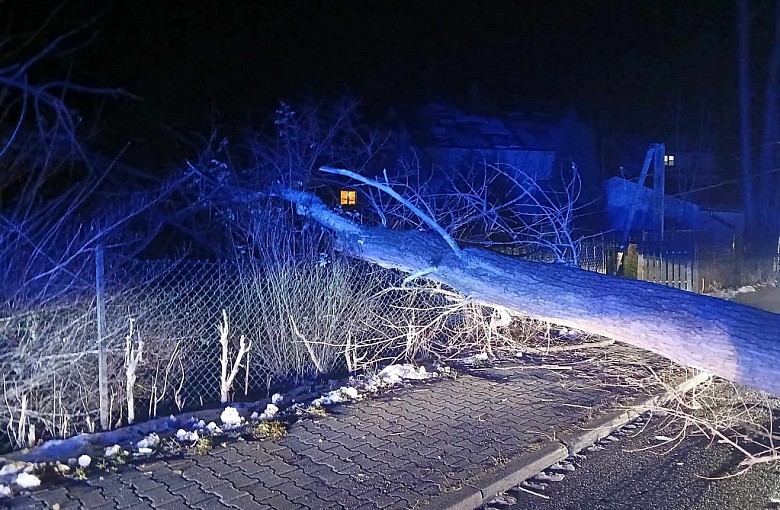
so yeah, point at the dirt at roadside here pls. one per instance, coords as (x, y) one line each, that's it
(765, 298)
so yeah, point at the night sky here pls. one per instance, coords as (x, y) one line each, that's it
(623, 65)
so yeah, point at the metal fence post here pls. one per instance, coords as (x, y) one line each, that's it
(101, 316)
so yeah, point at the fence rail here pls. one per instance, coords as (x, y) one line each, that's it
(673, 268)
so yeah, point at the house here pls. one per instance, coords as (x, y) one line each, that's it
(680, 215)
(688, 174)
(449, 138)
(623, 196)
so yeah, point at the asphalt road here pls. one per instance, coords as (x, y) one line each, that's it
(626, 475)
(623, 476)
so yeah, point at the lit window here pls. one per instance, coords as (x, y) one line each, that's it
(668, 159)
(348, 197)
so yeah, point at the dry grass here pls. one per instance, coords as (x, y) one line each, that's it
(269, 430)
(202, 446)
(316, 412)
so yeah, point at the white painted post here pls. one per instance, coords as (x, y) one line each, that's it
(101, 348)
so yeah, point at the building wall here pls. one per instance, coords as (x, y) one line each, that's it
(622, 194)
(536, 164)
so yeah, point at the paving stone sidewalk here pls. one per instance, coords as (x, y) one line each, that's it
(422, 446)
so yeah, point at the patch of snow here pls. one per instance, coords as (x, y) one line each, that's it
(330, 398)
(270, 412)
(549, 477)
(85, 461)
(254, 416)
(745, 289)
(389, 376)
(503, 499)
(723, 294)
(12, 468)
(470, 360)
(112, 451)
(200, 425)
(27, 481)
(230, 418)
(213, 428)
(663, 438)
(562, 466)
(350, 392)
(5, 491)
(277, 398)
(145, 451)
(183, 435)
(536, 486)
(61, 448)
(150, 441)
(396, 374)
(93, 444)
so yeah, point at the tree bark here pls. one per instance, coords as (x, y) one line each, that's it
(769, 139)
(745, 91)
(730, 340)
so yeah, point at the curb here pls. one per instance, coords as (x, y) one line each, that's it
(482, 488)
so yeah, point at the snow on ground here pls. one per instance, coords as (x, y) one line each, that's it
(184, 436)
(337, 396)
(150, 441)
(270, 412)
(230, 418)
(357, 388)
(19, 468)
(474, 359)
(27, 480)
(745, 289)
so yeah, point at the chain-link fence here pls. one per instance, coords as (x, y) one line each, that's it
(597, 254)
(303, 321)
(297, 317)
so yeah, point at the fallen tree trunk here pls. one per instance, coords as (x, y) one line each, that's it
(727, 339)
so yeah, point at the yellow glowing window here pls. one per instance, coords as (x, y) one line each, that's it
(348, 197)
(668, 159)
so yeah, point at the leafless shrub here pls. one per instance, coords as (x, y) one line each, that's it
(311, 312)
(429, 321)
(734, 416)
(480, 204)
(229, 372)
(56, 207)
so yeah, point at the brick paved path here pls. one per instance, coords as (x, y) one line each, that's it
(401, 450)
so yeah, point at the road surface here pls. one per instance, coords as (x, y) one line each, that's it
(623, 476)
(626, 475)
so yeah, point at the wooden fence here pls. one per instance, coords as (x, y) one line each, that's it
(680, 263)
(673, 268)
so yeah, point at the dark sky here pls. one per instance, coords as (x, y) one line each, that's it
(623, 62)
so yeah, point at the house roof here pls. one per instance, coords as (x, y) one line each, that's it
(444, 126)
